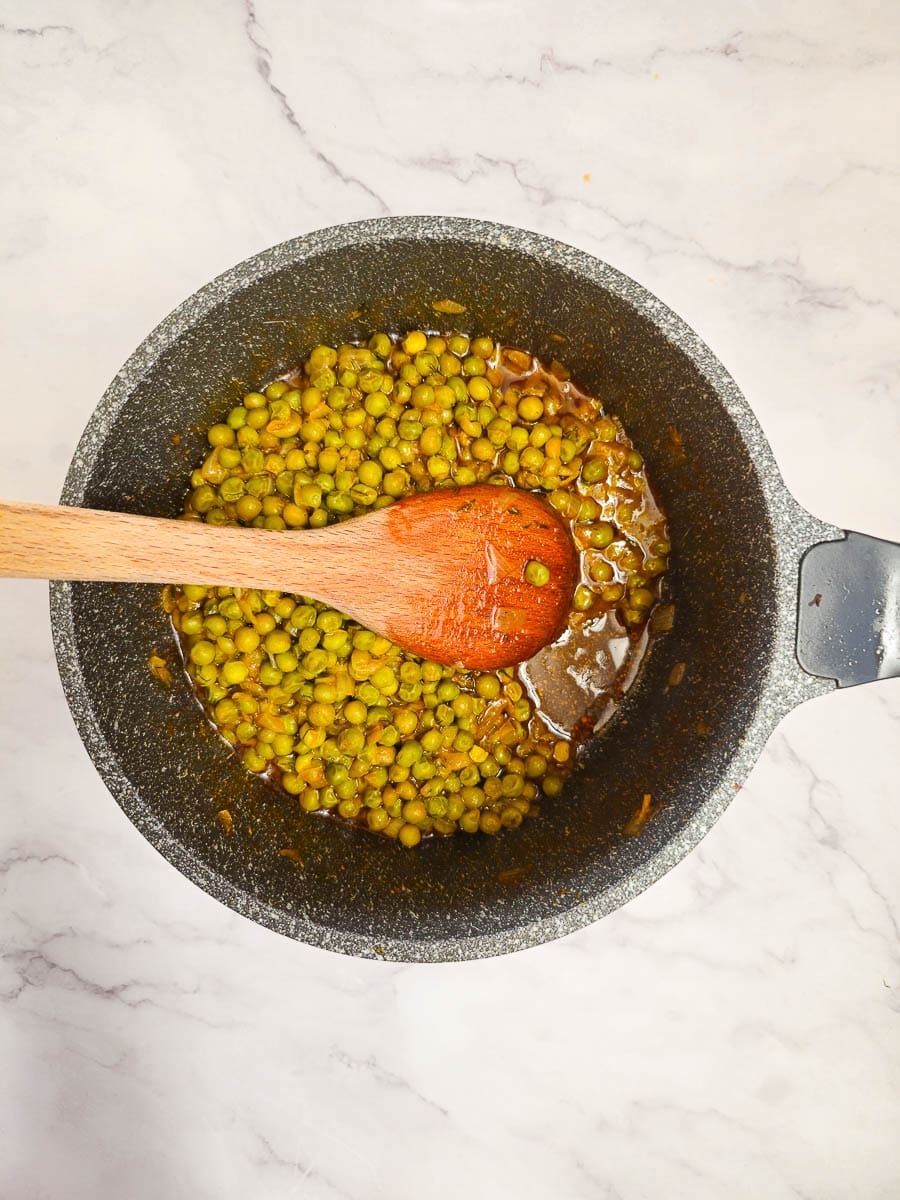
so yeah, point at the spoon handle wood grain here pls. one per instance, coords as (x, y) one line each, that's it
(41, 541)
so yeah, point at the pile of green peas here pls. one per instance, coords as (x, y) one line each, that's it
(338, 716)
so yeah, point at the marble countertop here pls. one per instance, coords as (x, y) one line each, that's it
(736, 1030)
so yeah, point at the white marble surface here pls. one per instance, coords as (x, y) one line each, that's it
(735, 1031)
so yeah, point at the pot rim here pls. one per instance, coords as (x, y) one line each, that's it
(794, 529)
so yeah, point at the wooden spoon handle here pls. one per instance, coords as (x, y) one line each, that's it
(39, 541)
(443, 573)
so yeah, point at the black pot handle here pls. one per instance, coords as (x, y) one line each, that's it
(848, 623)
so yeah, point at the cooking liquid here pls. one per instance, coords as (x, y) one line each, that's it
(578, 682)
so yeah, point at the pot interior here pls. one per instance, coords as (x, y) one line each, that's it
(670, 741)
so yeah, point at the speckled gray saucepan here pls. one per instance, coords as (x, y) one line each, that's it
(739, 539)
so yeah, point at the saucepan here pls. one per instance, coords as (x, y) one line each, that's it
(772, 606)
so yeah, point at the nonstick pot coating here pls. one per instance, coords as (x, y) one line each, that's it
(459, 897)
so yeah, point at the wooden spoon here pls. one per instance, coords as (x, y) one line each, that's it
(441, 574)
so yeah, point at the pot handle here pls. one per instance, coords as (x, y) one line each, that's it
(848, 622)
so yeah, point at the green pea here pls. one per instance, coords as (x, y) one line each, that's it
(479, 388)
(329, 620)
(430, 441)
(380, 344)
(234, 672)
(226, 712)
(601, 571)
(600, 536)
(530, 408)
(376, 404)
(216, 624)
(408, 835)
(308, 495)
(487, 686)
(409, 753)
(370, 473)
(384, 679)
(320, 714)
(431, 741)
(641, 597)
(489, 823)
(498, 430)
(390, 458)
(203, 498)
(302, 616)
(315, 662)
(535, 766)
(191, 623)
(395, 483)
(583, 598)
(464, 476)
(277, 641)
(405, 721)
(292, 683)
(605, 430)
(426, 363)
(231, 489)
(258, 418)
(362, 495)
(254, 761)
(202, 653)
(220, 435)
(339, 502)
(253, 460)
(321, 356)
(531, 459)
(260, 486)
(338, 641)
(594, 470)
(351, 740)
(409, 430)
(422, 395)
(537, 573)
